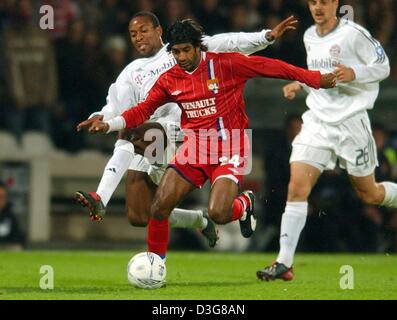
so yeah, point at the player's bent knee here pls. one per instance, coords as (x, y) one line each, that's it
(369, 198)
(159, 212)
(218, 215)
(137, 220)
(298, 191)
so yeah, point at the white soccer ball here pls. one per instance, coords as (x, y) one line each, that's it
(146, 270)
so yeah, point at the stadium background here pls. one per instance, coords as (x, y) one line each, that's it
(45, 161)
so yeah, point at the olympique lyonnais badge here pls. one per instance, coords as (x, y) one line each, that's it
(213, 85)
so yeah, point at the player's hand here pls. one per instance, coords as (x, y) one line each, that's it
(87, 123)
(96, 217)
(278, 31)
(290, 90)
(328, 80)
(344, 74)
(98, 127)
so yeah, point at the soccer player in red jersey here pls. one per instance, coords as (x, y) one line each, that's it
(208, 87)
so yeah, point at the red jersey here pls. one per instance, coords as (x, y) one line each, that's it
(211, 97)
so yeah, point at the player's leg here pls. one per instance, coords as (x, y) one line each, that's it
(312, 153)
(172, 189)
(140, 190)
(179, 218)
(116, 167)
(139, 185)
(359, 156)
(373, 193)
(114, 171)
(226, 205)
(302, 180)
(129, 142)
(221, 198)
(142, 140)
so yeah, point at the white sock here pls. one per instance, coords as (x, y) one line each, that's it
(116, 167)
(181, 218)
(292, 223)
(390, 200)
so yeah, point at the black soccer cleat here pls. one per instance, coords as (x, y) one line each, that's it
(210, 231)
(93, 202)
(276, 271)
(248, 225)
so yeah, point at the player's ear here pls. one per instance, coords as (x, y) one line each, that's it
(159, 31)
(336, 4)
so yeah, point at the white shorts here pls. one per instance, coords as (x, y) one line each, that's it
(349, 143)
(155, 172)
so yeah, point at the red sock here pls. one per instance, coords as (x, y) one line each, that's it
(238, 207)
(158, 235)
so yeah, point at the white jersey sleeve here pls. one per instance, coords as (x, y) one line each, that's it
(243, 42)
(351, 45)
(121, 95)
(374, 65)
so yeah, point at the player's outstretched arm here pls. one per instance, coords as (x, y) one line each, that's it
(120, 97)
(255, 66)
(287, 24)
(248, 42)
(98, 127)
(138, 114)
(86, 124)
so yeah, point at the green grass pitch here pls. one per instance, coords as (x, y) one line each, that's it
(190, 276)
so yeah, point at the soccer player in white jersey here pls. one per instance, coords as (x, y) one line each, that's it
(132, 87)
(336, 127)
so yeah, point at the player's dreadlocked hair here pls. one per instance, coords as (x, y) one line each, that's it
(185, 31)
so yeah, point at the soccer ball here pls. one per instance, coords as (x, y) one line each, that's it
(146, 270)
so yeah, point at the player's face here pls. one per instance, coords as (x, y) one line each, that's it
(323, 11)
(145, 38)
(186, 55)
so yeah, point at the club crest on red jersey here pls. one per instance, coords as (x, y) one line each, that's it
(213, 85)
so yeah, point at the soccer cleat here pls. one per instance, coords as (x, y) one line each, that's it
(248, 225)
(276, 271)
(93, 202)
(210, 231)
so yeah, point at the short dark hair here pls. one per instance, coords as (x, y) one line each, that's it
(185, 31)
(153, 18)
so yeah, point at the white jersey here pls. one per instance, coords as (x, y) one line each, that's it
(353, 46)
(135, 81)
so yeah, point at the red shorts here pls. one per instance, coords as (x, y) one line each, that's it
(221, 162)
(198, 175)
